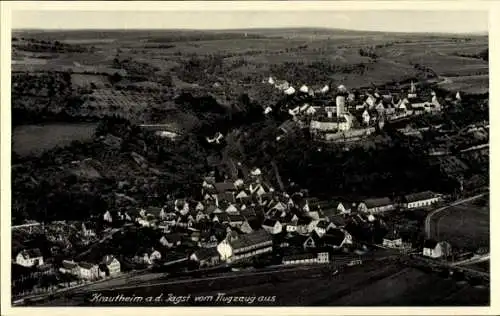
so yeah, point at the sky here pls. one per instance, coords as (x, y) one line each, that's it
(386, 20)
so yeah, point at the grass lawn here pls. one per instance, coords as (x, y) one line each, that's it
(465, 226)
(34, 139)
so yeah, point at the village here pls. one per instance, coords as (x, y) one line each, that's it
(241, 223)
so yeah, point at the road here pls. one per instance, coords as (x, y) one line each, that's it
(473, 260)
(428, 219)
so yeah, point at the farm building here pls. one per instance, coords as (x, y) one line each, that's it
(246, 246)
(29, 258)
(392, 240)
(435, 249)
(377, 205)
(421, 199)
(206, 256)
(306, 258)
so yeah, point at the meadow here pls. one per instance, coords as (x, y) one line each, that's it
(465, 226)
(35, 139)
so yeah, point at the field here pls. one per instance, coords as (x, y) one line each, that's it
(34, 139)
(85, 81)
(465, 226)
(468, 84)
(397, 53)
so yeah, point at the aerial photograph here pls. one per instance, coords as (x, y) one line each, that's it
(263, 158)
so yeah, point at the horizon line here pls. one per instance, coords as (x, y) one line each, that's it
(485, 32)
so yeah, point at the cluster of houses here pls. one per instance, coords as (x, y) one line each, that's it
(235, 221)
(351, 112)
(108, 267)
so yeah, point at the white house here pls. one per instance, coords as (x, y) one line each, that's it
(322, 227)
(377, 205)
(231, 209)
(272, 226)
(246, 246)
(29, 258)
(392, 241)
(112, 264)
(88, 271)
(107, 217)
(337, 238)
(421, 199)
(434, 249)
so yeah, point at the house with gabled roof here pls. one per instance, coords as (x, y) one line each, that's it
(206, 257)
(220, 218)
(29, 258)
(171, 240)
(435, 249)
(232, 209)
(112, 265)
(322, 227)
(236, 220)
(249, 213)
(69, 267)
(88, 271)
(376, 205)
(246, 246)
(392, 240)
(337, 238)
(313, 241)
(243, 194)
(420, 199)
(272, 226)
(226, 197)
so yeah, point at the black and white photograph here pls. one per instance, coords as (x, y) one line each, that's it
(248, 158)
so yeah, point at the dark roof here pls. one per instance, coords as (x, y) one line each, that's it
(248, 212)
(210, 209)
(221, 187)
(315, 237)
(236, 218)
(304, 220)
(338, 220)
(206, 253)
(153, 210)
(108, 259)
(323, 224)
(173, 237)
(226, 196)
(370, 203)
(297, 239)
(269, 222)
(69, 264)
(174, 256)
(420, 196)
(32, 253)
(86, 265)
(287, 218)
(223, 217)
(253, 238)
(302, 256)
(430, 243)
(334, 237)
(267, 196)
